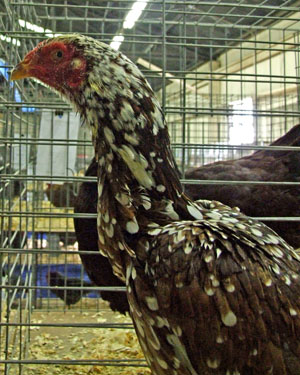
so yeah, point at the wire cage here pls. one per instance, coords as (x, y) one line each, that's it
(227, 78)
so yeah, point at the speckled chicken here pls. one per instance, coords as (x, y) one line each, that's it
(268, 165)
(210, 290)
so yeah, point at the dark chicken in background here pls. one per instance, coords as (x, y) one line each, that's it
(69, 296)
(210, 290)
(254, 200)
(266, 200)
(262, 165)
(61, 195)
(96, 266)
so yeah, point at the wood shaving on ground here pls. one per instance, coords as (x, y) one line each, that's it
(82, 343)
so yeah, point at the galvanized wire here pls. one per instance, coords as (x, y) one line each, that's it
(200, 57)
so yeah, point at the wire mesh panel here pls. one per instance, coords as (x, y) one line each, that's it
(227, 78)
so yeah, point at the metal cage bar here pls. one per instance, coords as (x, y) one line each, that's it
(205, 61)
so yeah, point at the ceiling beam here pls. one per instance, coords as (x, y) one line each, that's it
(154, 68)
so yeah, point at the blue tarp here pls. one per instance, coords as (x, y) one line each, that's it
(70, 270)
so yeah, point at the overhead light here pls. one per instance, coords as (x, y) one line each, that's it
(134, 14)
(116, 42)
(8, 39)
(28, 26)
(38, 29)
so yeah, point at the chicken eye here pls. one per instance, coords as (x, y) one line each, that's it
(57, 55)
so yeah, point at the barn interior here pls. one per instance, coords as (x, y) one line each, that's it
(227, 77)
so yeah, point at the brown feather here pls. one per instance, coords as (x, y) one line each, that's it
(190, 247)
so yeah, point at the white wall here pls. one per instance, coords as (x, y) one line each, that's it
(263, 67)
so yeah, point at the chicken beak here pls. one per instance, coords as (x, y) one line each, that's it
(22, 70)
